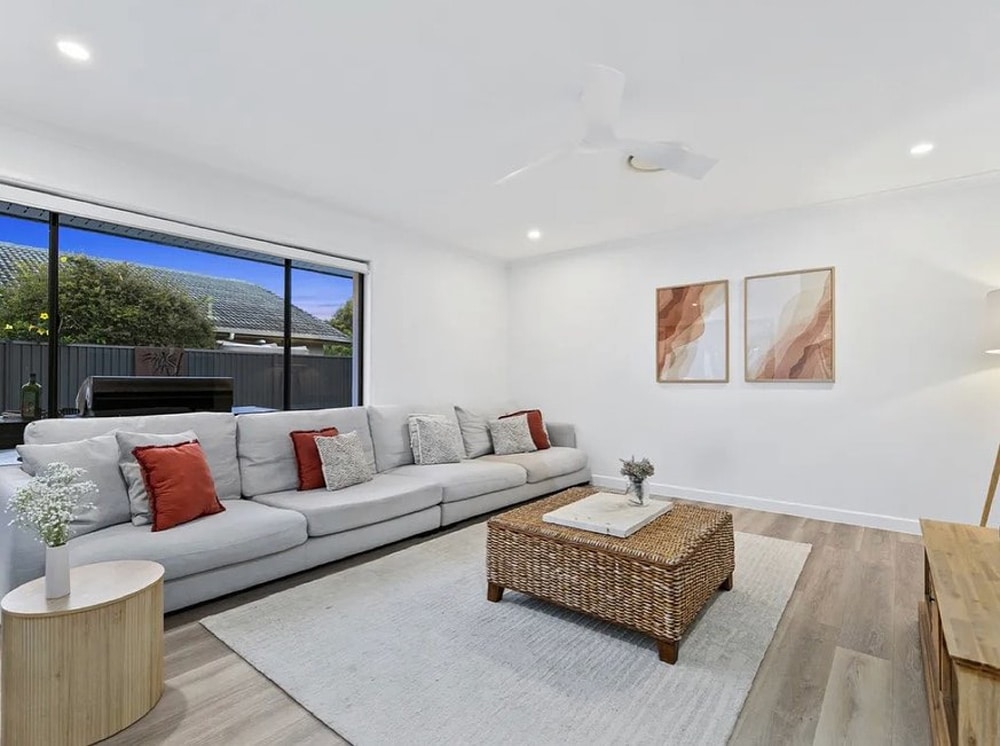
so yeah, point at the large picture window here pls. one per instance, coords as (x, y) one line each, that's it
(322, 360)
(24, 312)
(135, 302)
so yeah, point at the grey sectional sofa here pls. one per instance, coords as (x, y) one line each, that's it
(269, 529)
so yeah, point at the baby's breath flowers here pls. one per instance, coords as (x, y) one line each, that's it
(47, 503)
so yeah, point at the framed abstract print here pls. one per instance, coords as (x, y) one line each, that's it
(692, 333)
(789, 326)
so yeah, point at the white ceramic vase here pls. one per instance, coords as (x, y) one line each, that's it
(56, 571)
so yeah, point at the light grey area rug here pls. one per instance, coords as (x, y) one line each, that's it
(406, 650)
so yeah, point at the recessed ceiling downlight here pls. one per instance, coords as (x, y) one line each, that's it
(73, 49)
(921, 148)
(534, 234)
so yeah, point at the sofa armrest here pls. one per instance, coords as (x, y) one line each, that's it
(22, 556)
(561, 434)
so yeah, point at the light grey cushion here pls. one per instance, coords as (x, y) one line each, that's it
(467, 478)
(216, 433)
(344, 461)
(99, 457)
(546, 464)
(243, 531)
(267, 458)
(391, 433)
(475, 432)
(138, 497)
(384, 497)
(561, 434)
(511, 435)
(435, 440)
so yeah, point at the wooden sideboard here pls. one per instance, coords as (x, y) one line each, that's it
(960, 632)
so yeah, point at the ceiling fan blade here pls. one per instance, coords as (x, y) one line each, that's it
(601, 101)
(547, 158)
(670, 156)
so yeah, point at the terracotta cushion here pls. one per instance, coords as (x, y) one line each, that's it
(536, 425)
(179, 483)
(307, 456)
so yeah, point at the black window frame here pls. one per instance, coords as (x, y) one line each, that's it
(57, 219)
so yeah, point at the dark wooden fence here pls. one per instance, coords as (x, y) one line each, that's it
(317, 381)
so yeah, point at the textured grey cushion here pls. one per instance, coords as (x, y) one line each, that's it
(511, 435)
(344, 461)
(435, 440)
(244, 531)
(99, 456)
(475, 432)
(138, 498)
(216, 433)
(411, 428)
(391, 433)
(546, 464)
(384, 497)
(467, 478)
(267, 458)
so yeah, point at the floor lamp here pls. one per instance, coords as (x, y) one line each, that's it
(992, 491)
(992, 348)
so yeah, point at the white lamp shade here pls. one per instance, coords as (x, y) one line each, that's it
(993, 322)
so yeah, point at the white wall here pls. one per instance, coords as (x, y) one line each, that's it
(909, 429)
(437, 321)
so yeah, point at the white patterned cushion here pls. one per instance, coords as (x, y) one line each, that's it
(436, 441)
(344, 461)
(411, 424)
(512, 435)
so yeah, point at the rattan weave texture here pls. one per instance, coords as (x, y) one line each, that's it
(655, 581)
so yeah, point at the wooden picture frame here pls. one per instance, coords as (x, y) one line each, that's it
(692, 333)
(789, 326)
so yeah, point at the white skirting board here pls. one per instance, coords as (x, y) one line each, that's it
(819, 512)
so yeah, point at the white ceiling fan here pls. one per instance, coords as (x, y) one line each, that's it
(601, 102)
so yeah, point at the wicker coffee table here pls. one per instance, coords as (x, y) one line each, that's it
(655, 581)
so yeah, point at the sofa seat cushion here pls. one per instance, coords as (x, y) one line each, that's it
(384, 497)
(542, 465)
(467, 478)
(245, 531)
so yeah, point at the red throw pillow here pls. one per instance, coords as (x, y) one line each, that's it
(179, 483)
(307, 456)
(536, 426)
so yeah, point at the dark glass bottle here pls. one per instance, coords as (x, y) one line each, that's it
(31, 399)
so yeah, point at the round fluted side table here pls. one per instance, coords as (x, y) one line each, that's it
(79, 668)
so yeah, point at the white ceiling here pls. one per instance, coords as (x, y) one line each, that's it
(410, 111)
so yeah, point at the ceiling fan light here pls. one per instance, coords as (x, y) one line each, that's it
(636, 163)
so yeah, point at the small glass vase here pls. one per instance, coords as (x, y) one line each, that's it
(637, 492)
(56, 571)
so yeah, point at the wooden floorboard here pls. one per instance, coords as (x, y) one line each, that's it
(856, 705)
(856, 600)
(908, 693)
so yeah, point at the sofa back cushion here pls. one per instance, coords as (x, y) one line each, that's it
(390, 431)
(266, 455)
(216, 433)
(99, 456)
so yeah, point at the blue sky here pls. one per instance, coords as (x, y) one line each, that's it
(319, 294)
